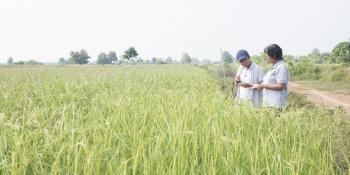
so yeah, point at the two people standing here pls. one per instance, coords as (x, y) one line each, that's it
(267, 90)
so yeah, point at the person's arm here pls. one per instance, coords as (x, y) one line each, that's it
(237, 79)
(281, 78)
(274, 87)
(245, 85)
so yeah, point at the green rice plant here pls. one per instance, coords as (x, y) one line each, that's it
(154, 119)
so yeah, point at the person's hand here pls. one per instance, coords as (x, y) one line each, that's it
(245, 85)
(256, 86)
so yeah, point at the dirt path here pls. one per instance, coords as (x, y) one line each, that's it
(322, 98)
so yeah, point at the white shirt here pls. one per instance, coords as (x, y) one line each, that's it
(277, 74)
(254, 74)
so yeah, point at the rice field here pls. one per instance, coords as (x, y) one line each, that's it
(155, 119)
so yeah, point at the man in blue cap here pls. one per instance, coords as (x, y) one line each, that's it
(248, 73)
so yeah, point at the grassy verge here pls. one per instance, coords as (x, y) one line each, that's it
(338, 87)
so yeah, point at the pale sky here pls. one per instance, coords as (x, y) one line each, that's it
(46, 30)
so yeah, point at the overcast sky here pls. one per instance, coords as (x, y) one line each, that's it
(46, 30)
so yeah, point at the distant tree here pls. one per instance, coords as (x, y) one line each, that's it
(61, 61)
(169, 60)
(154, 60)
(102, 59)
(130, 53)
(315, 56)
(140, 61)
(147, 62)
(33, 62)
(259, 59)
(81, 57)
(19, 62)
(112, 57)
(195, 60)
(10, 60)
(341, 53)
(185, 58)
(315, 52)
(160, 61)
(325, 57)
(207, 61)
(227, 57)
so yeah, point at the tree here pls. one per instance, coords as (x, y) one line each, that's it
(140, 61)
(169, 60)
(130, 53)
(112, 57)
(341, 53)
(19, 62)
(207, 61)
(185, 58)
(102, 59)
(259, 59)
(81, 57)
(154, 60)
(227, 57)
(61, 61)
(194, 60)
(33, 62)
(315, 56)
(10, 60)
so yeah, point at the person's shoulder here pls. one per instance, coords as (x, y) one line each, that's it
(283, 65)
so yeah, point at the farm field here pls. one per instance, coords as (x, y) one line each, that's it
(156, 119)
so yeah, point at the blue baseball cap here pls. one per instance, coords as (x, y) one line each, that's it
(242, 54)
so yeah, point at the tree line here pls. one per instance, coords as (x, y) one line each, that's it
(339, 54)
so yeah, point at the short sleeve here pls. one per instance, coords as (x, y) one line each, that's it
(282, 75)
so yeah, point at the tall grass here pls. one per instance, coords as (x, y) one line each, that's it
(167, 119)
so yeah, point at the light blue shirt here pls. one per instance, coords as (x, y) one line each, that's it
(277, 74)
(254, 74)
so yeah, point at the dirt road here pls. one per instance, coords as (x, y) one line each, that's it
(328, 99)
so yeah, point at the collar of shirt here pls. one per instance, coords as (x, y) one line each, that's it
(250, 66)
(277, 64)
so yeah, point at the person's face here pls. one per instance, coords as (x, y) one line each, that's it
(269, 59)
(244, 62)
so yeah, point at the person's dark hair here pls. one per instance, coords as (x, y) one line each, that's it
(274, 51)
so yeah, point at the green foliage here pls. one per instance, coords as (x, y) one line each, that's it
(10, 60)
(170, 119)
(81, 57)
(304, 70)
(185, 58)
(112, 57)
(341, 53)
(259, 59)
(33, 62)
(130, 53)
(338, 74)
(154, 60)
(62, 61)
(102, 59)
(227, 57)
(29, 62)
(19, 62)
(169, 60)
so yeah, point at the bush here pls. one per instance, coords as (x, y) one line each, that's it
(338, 75)
(304, 70)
